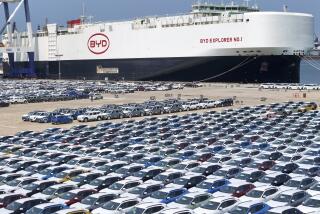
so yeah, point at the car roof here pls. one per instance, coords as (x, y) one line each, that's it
(146, 205)
(222, 198)
(49, 204)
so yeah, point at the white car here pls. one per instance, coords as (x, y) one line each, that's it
(148, 207)
(16, 100)
(117, 206)
(261, 194)
(122, 186)
(217, 205)
(90, 116)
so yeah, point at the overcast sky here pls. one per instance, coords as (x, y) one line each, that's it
(62, 10)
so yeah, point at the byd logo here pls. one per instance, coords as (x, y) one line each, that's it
(98, 43)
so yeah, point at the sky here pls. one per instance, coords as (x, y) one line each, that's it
(59, 11)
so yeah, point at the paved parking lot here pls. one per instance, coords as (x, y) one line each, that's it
(260, 160)
(249, 95)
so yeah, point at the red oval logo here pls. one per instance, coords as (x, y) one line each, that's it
(98, 43)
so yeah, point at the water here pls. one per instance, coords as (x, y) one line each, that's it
(309, 74)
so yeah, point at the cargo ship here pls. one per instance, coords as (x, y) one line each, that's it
(212, 43)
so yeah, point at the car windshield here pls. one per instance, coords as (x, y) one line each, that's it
(283, 198)
(316, 187)
(111, 205)
(116, 186)
(35, 210)
(221, 172)
(89, 200)
(239, 210)
(14, 206)
(181, 181)
(137, 190)
(30, 168)
(139, 174)
(31, 186)
(199, 169)
(78, 178)
(266, 179)
(122, 170)
(96, 182)
(204, 185)
(293, 183)
(160, 177)
(61, 174)
(312, 203)
(184, 200)
(49, 191)
(14, 183)
(211, 205)
(68, 195)
(255, 193)
(45, 171)
(159, 195)
(228, 189)
(136, 210)
(180, 166)
(243, 176)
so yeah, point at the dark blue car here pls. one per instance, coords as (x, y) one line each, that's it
(61, 119)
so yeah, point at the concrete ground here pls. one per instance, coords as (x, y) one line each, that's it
(245, 95)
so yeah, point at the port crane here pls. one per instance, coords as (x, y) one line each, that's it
(12, 46)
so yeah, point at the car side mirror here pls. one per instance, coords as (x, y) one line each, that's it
(168, 198)
(193, 203)
(119, 208)
(21, 208)
(189, 183)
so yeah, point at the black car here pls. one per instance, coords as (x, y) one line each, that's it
(22, 205)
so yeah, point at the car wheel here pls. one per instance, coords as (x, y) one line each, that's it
(109, 118)
(188, 109)
(85, 120)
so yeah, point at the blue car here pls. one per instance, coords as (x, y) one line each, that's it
(211, 185)
(61, 119)
(167, 195)
(251, 207)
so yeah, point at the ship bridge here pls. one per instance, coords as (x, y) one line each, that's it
(206, 9)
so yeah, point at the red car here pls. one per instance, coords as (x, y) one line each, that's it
(242, 190)
(266, 165)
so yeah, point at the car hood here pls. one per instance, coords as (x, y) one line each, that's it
(200, 210)
(5, 211)
(196, 189)
(80, 206)
(104, 211)
(22, 192)
(176, 205)
(42, 196)
(274, 204)
(149, 199)
(308, 209)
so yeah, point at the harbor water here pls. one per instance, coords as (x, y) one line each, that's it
(309, 73)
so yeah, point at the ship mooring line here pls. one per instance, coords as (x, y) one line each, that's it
(243, 63)
(308, 61)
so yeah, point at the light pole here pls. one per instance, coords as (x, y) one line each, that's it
(59, 61)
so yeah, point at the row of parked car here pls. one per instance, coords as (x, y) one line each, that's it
(108, 112)
(236, 161)
(19, 91)
(290, 86)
